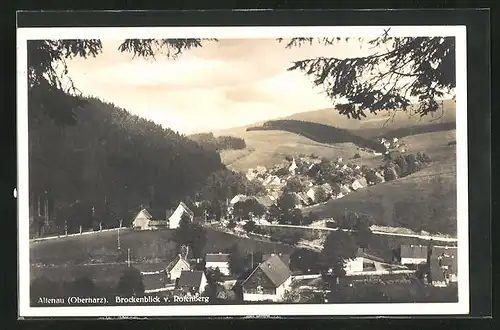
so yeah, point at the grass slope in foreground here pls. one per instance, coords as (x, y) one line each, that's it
(96, 255)
(425, 200)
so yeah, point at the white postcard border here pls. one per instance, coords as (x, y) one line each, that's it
(461, 307)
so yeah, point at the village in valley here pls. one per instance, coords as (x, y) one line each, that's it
(279, 213)
(316, 207)
(270, 276)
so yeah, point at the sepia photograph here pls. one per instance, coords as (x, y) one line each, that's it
(242, 171)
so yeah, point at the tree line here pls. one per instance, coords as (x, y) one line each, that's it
(318, 132)
(210, 142)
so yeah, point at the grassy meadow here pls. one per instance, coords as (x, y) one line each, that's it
(97, 257)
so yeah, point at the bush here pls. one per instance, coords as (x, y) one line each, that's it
(356, 155)
(130, 283)
(250, 226)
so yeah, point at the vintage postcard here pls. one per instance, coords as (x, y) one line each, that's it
(234, 171)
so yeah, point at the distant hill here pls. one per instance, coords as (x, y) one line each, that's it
(267, 147)
(375, 125)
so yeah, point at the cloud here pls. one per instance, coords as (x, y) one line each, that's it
(229, 83)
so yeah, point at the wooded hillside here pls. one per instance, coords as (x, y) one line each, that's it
(109, 163)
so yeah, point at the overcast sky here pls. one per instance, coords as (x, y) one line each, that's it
(224, 84)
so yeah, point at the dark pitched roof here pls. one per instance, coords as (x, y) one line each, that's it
(275, 270)
(217, 257)
(413, 251)
(283, 257)
(190, 278)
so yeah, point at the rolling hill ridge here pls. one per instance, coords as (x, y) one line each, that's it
(326, 133)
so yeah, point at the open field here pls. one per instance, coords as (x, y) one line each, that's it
(267, 148)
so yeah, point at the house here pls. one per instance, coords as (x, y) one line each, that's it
(436, 274)
(179, 213)
(447, 260)
(315, 193)
(192, 282)
(327, 188)
(274, 195)
(344, 189)
(142, 220)
(283, 257)
(361, 263)
(311, 193)
(272, 180)
(395, 140)
(413, 254)
(251, 175)
(355, 185)
(176, 266)
(293, 167)
(304, 199)
(362, 181)
(268, 281)
(339, 160)
(218, 260)
(234, 200)
(299, 200)
(380, 176)
(237, 198)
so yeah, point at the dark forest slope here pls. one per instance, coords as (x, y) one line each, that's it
(111, 161)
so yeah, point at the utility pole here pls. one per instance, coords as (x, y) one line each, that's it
(46, 209)
(128, 257)
(119, 236)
